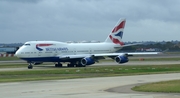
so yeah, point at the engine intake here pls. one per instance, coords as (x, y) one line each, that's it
(87, 61)
(121, 59)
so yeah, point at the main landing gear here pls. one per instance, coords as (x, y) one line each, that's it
(71, 64)
(58, 65)
(74, 64)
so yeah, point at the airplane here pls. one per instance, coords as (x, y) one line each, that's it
(77, 54)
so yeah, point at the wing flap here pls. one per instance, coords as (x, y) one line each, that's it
(143, 53)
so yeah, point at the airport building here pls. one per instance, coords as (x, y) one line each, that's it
(8, 50)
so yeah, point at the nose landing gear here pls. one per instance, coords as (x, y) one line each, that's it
(30, 66)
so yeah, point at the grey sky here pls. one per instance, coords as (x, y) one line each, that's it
(76, 20)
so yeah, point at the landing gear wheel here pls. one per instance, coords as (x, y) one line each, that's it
(70, 65)
(58, 65)
(30, 66)
(80, 65)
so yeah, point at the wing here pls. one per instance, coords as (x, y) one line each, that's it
(106, 55)
(89, 59)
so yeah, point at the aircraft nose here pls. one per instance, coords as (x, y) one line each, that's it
(17, 53)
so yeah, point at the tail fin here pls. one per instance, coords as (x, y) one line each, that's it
(117, 33)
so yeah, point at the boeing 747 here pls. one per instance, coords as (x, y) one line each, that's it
(77, 54)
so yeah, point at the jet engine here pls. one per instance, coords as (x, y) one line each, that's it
(121, 59)
(87, 61)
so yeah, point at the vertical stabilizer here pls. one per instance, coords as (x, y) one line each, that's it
(117, 33)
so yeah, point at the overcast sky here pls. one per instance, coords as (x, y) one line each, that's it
(76, 20)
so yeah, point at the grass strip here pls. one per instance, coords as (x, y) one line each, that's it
(172, 86)
(87, 72)
(13, 65)
(8, 58)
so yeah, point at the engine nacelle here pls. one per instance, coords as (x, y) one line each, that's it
(121, 59)
(37, 63)
(87, 61)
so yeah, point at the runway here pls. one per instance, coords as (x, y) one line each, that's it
(85, 88)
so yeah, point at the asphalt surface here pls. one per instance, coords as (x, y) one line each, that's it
(103, 87)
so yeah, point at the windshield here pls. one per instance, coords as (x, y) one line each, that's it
(26, 44)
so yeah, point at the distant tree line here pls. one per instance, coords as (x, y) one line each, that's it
(167, 46)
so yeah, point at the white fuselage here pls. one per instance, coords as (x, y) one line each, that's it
(29, 50)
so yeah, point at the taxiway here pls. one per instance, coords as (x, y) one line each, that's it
(88, 88)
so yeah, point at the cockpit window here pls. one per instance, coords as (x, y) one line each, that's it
(26, 44)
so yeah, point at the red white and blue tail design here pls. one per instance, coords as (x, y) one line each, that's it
(117, 33)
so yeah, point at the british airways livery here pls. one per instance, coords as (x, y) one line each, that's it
(77, 54)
